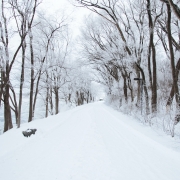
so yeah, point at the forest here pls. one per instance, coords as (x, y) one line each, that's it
(131, 48)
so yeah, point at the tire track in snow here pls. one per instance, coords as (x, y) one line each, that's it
(94, 162)
(90, 143)
(132, 152)
(56, 151)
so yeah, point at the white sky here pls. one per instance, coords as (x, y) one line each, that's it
(76, 14)
(76, 17)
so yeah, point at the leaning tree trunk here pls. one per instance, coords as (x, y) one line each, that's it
(174, 7)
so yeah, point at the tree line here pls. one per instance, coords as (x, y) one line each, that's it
(35, 62)
(135, 40)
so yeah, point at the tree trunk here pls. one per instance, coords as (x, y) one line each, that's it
(154, 84)
(1, 81)
(56, 100)
(51, 101)
(149, 65)
(153, 50)
(15, 105)
(77, 99)
(35, 95)
(174, 74)
(145, 89)
(7, 109)
(81, 98)
(130, 88)
(125, 88)
(31, 110)
(169, 102)
(88, 97)
(21, 84)
(6, 71)
(47, 96)
(69, 98)
(175, 8)
(138, 88)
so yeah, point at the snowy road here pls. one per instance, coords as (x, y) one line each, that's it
(87, 143)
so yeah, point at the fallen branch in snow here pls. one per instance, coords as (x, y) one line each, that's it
(28, 132)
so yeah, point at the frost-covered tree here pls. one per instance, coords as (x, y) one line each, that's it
(47, 33)
(23, 13)
(116, 44)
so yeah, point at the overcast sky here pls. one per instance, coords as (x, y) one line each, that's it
(76, 14)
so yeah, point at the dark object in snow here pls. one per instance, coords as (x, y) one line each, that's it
(28, 132)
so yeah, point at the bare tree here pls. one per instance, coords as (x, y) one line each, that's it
(107, 10)
(48, 31)
(6, 68)
(26, 11)
(152, 51)
(135, 30)
(174, 6)
(30, 24)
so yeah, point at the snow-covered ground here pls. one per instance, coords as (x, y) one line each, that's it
(90, 142)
